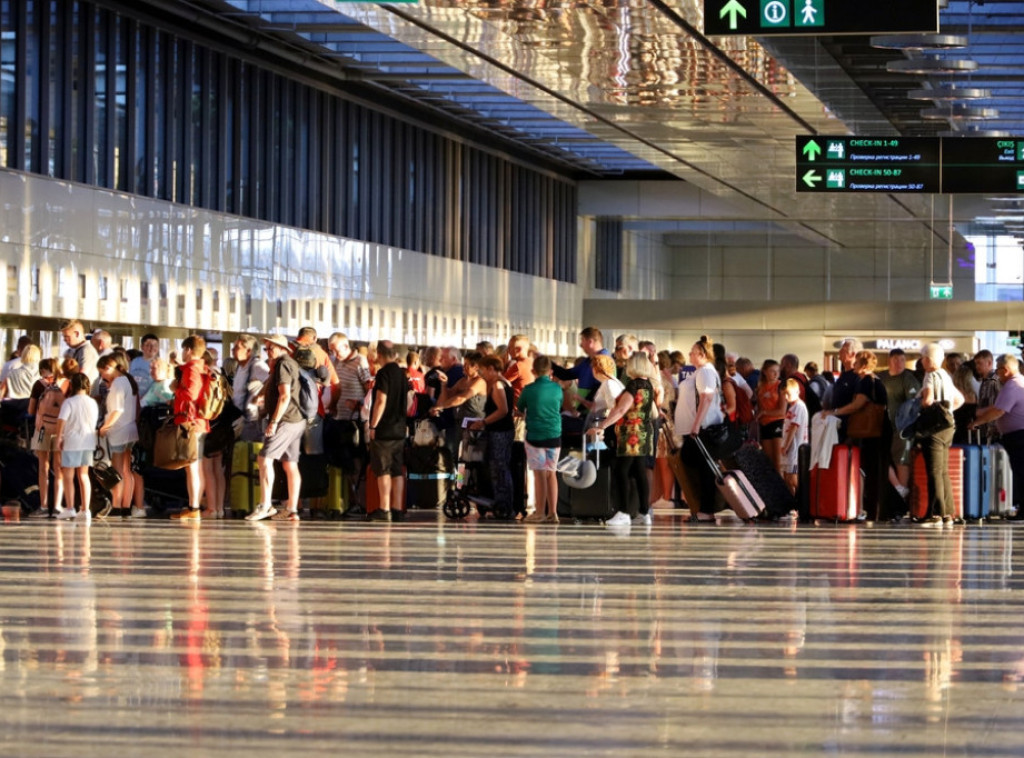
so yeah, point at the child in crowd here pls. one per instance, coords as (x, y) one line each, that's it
(76, 441)
(795, 432)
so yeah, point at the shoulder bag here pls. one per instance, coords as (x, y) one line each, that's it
(936, 417)
(176, 446)
(867, 422)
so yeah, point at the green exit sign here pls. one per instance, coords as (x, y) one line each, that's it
(942, 292)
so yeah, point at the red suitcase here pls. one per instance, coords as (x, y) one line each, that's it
(836, 490)
(736, 489)
(919, 490)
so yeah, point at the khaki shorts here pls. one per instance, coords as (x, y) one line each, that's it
(43, 441)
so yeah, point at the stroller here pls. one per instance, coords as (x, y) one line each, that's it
(470, 486)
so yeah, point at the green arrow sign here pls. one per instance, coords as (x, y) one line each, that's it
(811, 178)
(812, 150)
(732, 9)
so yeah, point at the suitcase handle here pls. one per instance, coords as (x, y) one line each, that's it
(712, 463)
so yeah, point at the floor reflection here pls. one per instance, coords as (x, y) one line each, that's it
(511, 640)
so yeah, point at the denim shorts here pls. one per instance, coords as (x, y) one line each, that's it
(126, 447)
(76, 458)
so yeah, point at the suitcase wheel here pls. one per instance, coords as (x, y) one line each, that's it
(456, 507)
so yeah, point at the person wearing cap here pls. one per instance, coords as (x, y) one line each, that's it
(285, 427)
(186, 413)
(900, 385)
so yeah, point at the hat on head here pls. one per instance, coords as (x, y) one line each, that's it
(277, 339)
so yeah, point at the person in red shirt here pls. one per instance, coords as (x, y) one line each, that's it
(186, 398)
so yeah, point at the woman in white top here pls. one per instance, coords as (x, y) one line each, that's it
(76, 441)
(120, 428)
(938, 387)
(605, 395)
(699, 406)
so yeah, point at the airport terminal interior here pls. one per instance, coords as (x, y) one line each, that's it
(442, 172)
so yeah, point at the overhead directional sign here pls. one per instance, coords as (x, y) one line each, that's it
(982, 164)
(796, 17)
(949, 165)
(867, 164)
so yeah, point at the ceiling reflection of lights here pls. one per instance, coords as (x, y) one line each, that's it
(949, 93)
(930, 65)
(919, 41)
(959, 113)
(975, 132)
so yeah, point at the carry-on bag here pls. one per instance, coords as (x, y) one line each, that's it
(245, 477)
(595, 501)
(836, 490)
(977, 477)
(919, 503)
(1001, 491)
(689, 489)
(766, 479)
(175, 446)
(734, 486)
(428, 470)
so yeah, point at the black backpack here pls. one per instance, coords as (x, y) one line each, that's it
(811, 399)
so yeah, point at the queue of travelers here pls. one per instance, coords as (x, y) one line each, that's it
(646, 407)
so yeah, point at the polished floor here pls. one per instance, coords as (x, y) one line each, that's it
(424, 639)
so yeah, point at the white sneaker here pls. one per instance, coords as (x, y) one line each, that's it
(619, 519)
(261, 512)
(67, 514)
(139, 513)
(643, 519)
(84, 515)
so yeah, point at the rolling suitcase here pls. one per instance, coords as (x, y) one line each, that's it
(312, 469)
(245, 477)
(594, 502)
(429, 469)
(803, 487)
(1001, 477)
(977, 478)
(735, 488)
(919, 505)
(765, 478)
(836, 490)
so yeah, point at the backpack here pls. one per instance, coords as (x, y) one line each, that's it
(213, 397)
(309, 390)
(48, 407)
(811, 399)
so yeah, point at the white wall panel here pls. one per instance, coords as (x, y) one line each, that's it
(55, 225)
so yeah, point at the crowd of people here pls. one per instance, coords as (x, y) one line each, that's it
(646, 407)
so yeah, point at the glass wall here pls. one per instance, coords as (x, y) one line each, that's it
(96, 96)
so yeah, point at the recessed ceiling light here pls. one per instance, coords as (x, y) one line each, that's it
(919, 41)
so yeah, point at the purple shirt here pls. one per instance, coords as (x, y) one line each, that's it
(1011, 402)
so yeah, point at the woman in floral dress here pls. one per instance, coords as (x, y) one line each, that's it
(633, 417)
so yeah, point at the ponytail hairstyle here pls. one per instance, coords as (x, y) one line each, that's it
(707, 347)
(120, 363)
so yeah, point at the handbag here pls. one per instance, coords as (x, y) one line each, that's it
(474, 447)
(721, 439)
(867, 422)
(176, 446)
(102, 473)
(934, 418)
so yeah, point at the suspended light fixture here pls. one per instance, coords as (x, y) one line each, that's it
(919, 41)
(932, 65)
(949, 93)
(959, 113)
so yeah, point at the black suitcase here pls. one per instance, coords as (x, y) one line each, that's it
(766, 479)
(19, 477)
(315, 481)
(428, 470)
(803, 482)
(595, 502)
